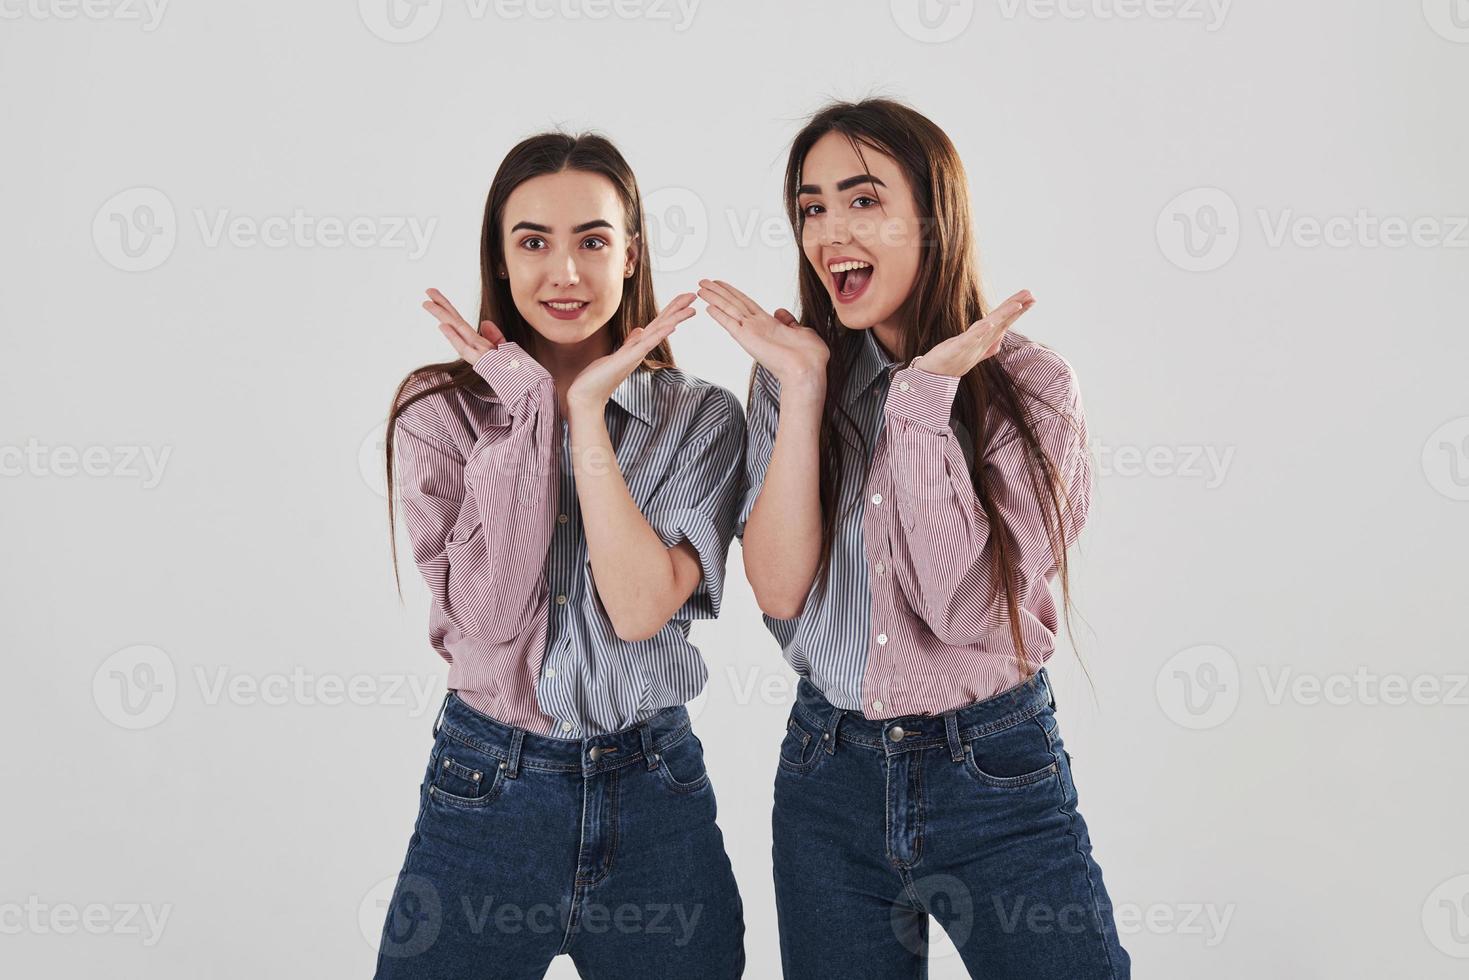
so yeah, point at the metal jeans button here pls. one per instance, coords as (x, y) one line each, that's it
(896, 733)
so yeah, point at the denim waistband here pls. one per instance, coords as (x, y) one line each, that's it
(522, 749)
(909, 733)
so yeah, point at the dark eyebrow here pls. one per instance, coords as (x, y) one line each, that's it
(585, 226)
(842, 185)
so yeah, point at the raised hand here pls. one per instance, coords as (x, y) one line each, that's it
(958, 355)
(796, 355)
(470, 343)
(596, 382)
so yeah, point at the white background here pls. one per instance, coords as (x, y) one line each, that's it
(1152, 172)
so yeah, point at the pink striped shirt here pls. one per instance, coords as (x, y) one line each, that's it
(916, 549)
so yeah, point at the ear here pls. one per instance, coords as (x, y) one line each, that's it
(634, 255)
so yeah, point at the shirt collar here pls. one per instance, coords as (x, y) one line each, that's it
(635, 395)
(870, 364)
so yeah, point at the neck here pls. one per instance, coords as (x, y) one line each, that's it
(566, 361)
(887, 335)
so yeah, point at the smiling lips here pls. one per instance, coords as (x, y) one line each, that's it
(851, 277)
(565, 309)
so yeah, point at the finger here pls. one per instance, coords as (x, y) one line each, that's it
(729, 323)
(784, 316)
(752, 306)
(679, 309)
(442, 301)
(723, 303)
(731, 303)
(492, 333)
(461, 331)
(678, 302)
(460, 347)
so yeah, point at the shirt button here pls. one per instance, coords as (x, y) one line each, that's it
(566, 726)
(562, 518)
(879, 568)
(561, 600)
(877, 498)
(877, 706)
(882, 638)
(550, 671)
(515, 363)
(903, 386)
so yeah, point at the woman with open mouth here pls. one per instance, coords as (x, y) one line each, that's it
(916, 471)
(570, 496)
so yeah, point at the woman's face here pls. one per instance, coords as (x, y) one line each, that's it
(567, 254)
(862, 232)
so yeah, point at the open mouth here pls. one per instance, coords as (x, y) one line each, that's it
(567, 309)
(851, 277)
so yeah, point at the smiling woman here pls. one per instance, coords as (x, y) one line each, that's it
(570, 497)
(915, 473)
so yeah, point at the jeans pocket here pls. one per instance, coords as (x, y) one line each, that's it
(463, 775)
(800, 750)
(681, 765)
(1016, 755)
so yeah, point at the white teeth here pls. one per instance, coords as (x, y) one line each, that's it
(566, 306)
(849, 266)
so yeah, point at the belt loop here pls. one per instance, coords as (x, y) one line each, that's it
(439, 718)
(831, 730)
(645, 735)
(951, 729)
(512, 767)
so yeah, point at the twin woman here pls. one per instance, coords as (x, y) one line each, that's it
(905, 476)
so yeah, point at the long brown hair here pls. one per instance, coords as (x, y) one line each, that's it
(946, 298)
(535, 156)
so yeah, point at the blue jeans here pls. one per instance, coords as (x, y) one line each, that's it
(526, 847)
(969, 817)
